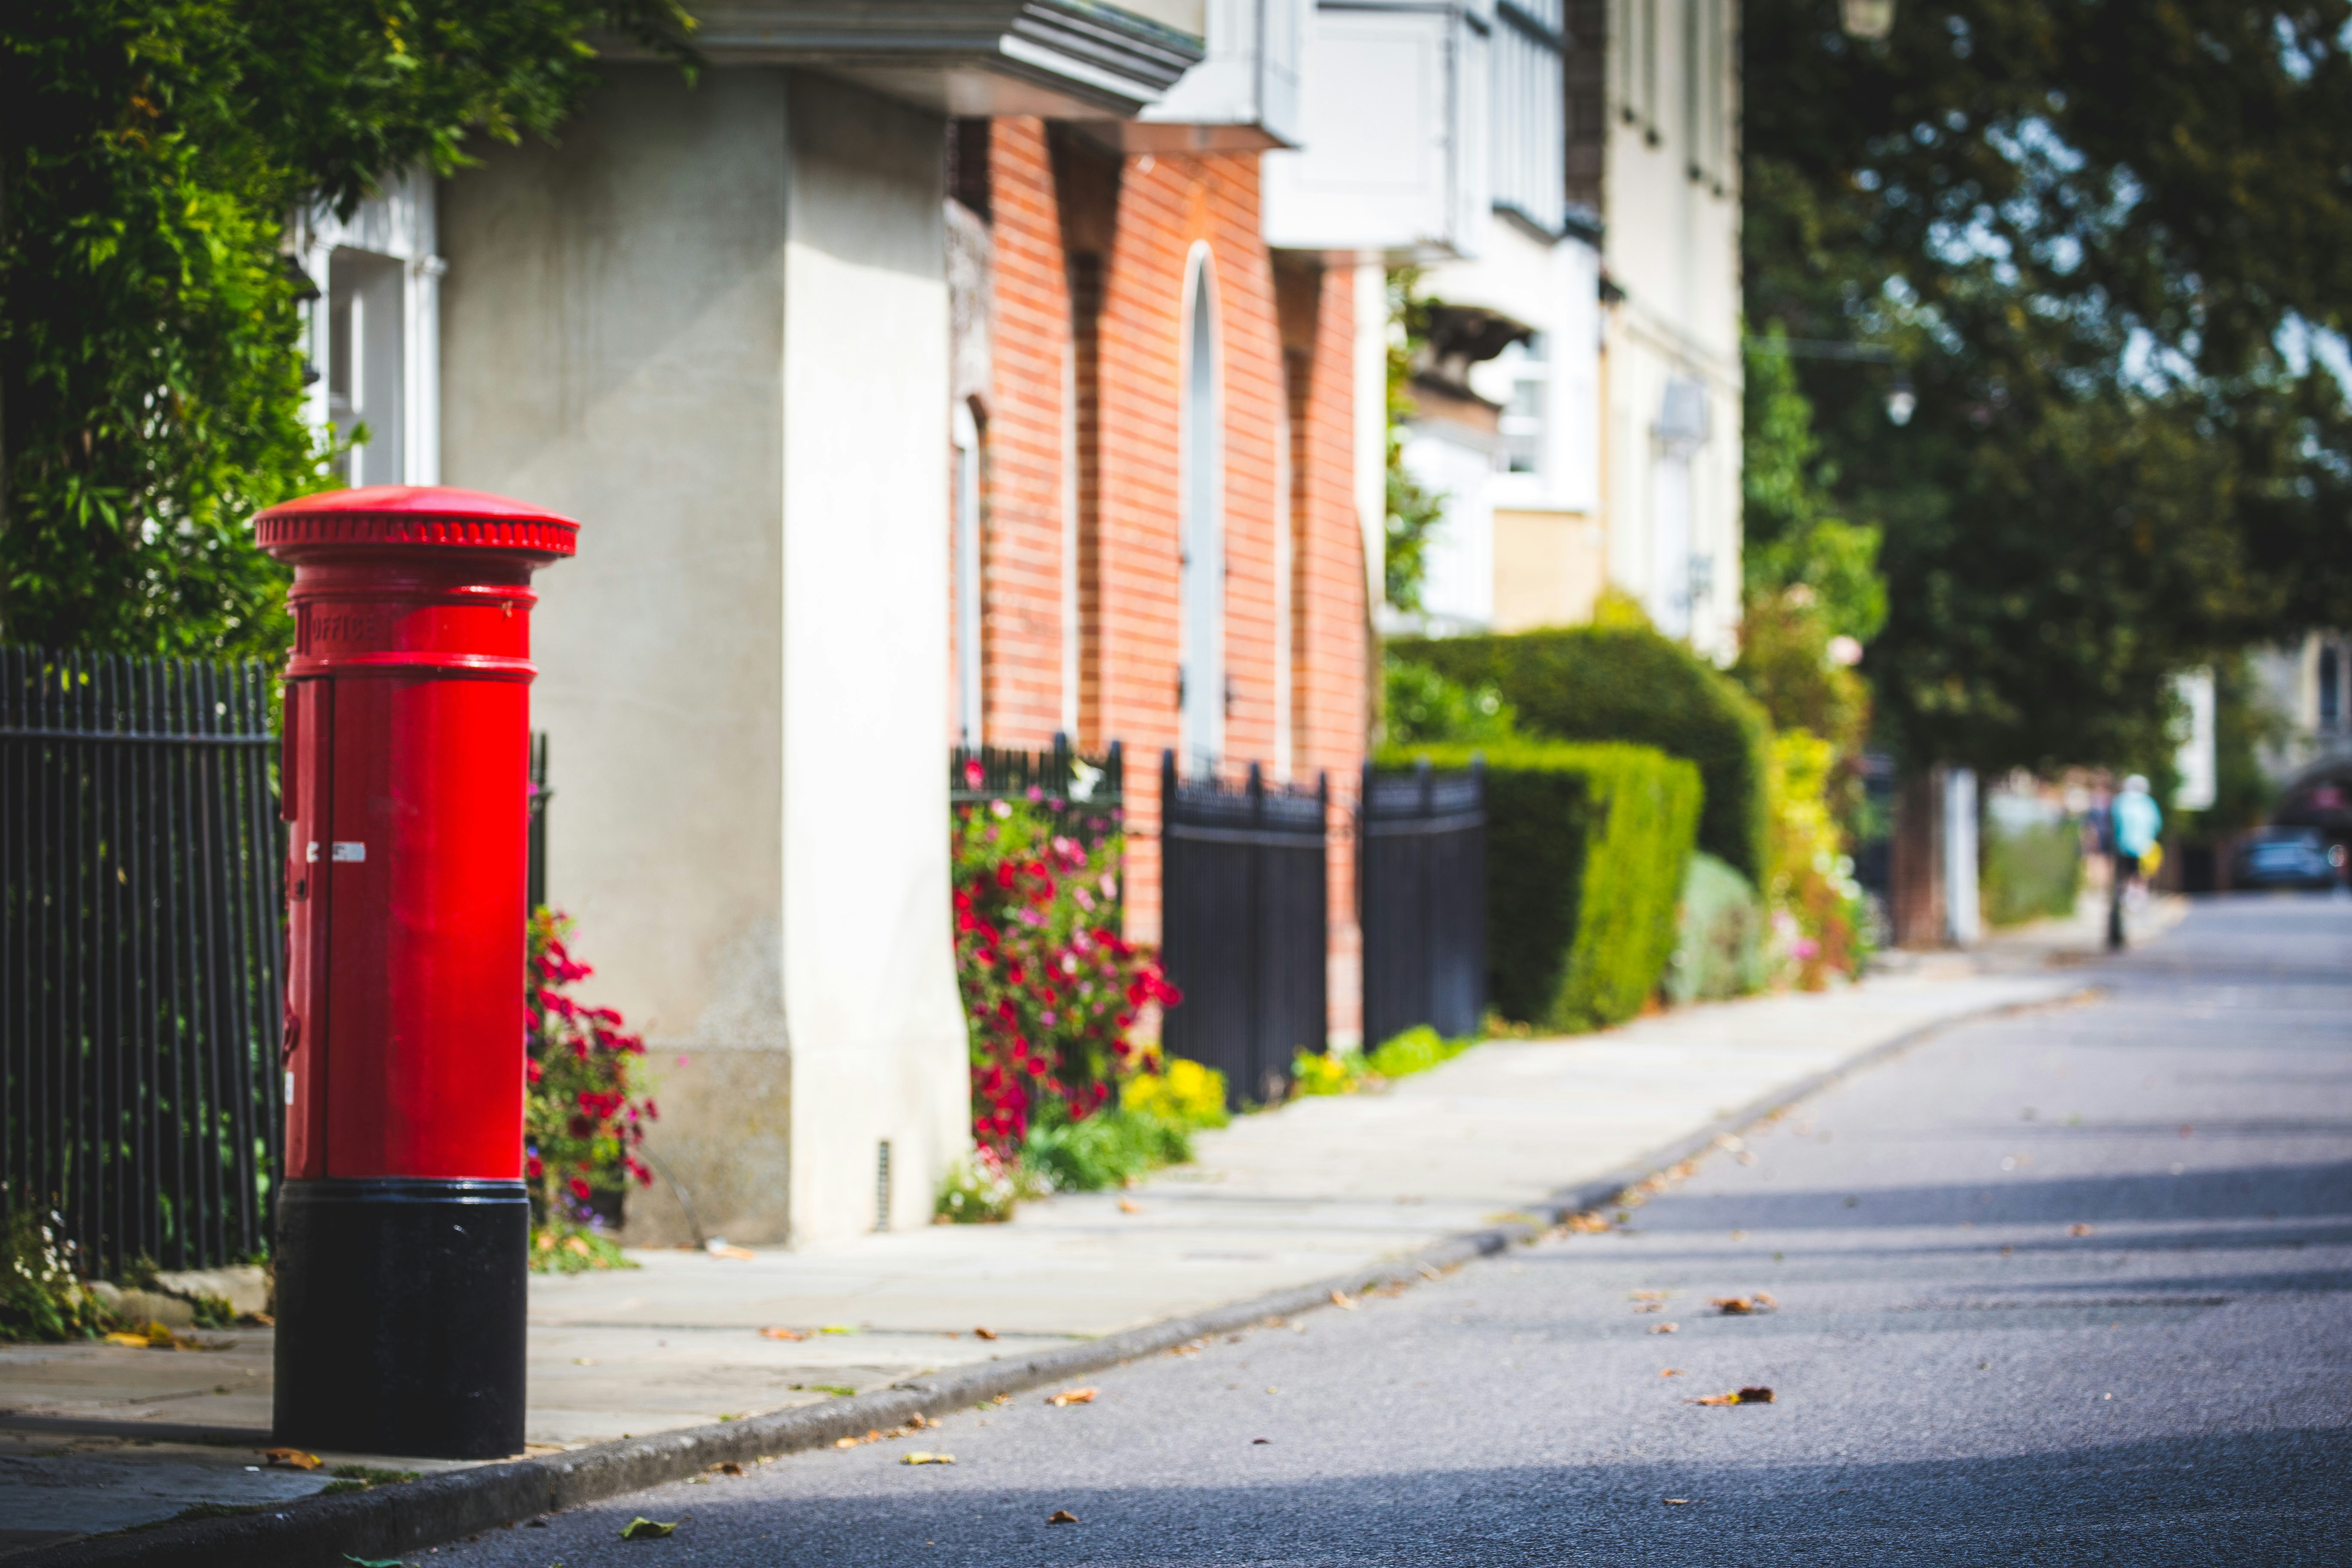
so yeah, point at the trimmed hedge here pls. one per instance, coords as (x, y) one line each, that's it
(1585, 851)
(1628, 683)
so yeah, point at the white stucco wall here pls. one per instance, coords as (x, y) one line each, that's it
(712, 325)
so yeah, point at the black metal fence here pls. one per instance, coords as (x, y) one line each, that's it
(1243, 918)
(1420, 894)
(140, 935)
(1088, 794)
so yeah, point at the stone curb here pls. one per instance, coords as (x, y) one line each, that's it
(390, 1522)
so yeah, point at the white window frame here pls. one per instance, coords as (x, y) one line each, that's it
(1201, 518)
(396, 224)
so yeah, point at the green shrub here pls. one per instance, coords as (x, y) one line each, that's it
(1719, 950)
(1628, 683)
(1185, 1094)
(41, 1298)
(1104, 1149)
(2031, 871)
(984, 1187)
(1585, 851)
(1328, 1071)
(1417, 1049)
(1420, 707)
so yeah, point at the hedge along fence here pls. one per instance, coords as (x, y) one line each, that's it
(1586, 847)
(1630, 684)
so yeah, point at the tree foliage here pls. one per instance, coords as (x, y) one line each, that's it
(150, 367)
(2102, 238)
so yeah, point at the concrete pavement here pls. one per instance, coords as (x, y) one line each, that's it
(2073, 1284)
(1279, 1199)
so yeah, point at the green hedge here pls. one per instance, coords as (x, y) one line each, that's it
(1615, 683)
(1585, 850)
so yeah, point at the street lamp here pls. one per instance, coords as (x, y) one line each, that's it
(1869, 19)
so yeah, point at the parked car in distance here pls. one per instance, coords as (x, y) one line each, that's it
(2282, 858)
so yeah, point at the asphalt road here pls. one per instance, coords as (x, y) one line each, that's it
(2071, 1286)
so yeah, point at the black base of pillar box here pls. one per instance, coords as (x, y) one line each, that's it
(400, 1316)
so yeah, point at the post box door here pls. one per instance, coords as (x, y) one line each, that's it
(306, 786)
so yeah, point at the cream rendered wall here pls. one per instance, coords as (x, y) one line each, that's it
(1672, 246)
(633, 326)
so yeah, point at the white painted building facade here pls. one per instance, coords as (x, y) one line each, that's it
(711, 323)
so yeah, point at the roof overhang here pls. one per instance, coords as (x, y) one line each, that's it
(1059, 58)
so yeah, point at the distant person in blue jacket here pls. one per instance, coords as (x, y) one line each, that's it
(2135, 822)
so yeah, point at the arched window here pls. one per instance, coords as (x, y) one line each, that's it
(1201, 584)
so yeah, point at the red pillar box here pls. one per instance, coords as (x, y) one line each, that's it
(403, 1225)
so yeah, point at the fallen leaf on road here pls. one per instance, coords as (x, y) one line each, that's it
(1640, 1306)
(782, 1334)
(1586, 1224)
(1670, 1372)
(1676, 1501)
(1736, 1396)
(1073, 1396)
(374, 1561)
(728, 1468)
(1061, 1516)
(1338, 1299)
(127, 1342)
(293, 1456)
(1665, 1328)
(644, 1528)
(923, 1456)
(2078, 1230)
(983, 1333)
(1743, 1306)
(1129, 1206)
(1255, 1441)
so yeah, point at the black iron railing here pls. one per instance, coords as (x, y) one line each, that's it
(1421, 886)
(1089, 794)
(141, 933)
(535, 863)
(1244, 924)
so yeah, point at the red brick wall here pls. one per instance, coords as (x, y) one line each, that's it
(1123, 230)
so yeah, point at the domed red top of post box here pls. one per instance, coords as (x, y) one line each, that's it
(413, 578)
(424, 516)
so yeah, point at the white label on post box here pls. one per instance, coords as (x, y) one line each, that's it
(290, 1086)
(350, 851)
(310, 856)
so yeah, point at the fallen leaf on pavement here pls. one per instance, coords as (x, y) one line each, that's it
(1670, 1372)
(1129, 1206)
(2078, 1230)
(728, 1468)
(1665, 1328)
(1641, 1306)
(1736, 1396)
(127, 1342)
(1061, 1516)
(644, 1528)
(1743, 1306)
(836, 1329)
(983, 1333)
(720, 1249)
(923, 1457)
(1255, 1441)
(294, 1456)
(374, 1561)
(782, 1334)
(1586, 1224)
(1073, 1396)
(1339, 1300)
